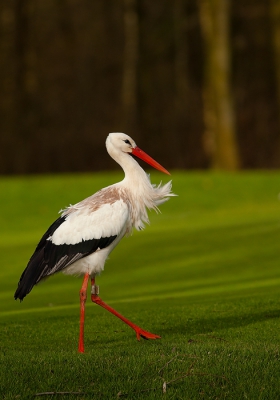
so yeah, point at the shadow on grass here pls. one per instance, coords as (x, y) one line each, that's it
(212, 323)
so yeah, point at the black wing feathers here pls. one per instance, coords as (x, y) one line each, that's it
(49, 258)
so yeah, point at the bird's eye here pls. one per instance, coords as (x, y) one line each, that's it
(127, 142)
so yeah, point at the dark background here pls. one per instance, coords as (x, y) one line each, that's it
(71, 71)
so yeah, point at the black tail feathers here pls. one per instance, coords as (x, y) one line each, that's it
(30, 276)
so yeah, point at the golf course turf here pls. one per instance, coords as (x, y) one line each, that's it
(205, 276)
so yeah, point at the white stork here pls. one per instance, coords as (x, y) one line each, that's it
(81, 239)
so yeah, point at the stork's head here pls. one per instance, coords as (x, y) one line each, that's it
(118, 142)
(121, 142)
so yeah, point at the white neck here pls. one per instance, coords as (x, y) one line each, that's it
(132, 170)
(137, 186)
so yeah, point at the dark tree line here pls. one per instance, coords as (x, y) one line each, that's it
(196, 82)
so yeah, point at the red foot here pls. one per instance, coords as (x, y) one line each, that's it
(145, 334)
(139, 331)
(81, 348)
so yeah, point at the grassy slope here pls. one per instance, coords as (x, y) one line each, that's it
(205, 276)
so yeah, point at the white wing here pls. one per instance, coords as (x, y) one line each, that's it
(84, 224)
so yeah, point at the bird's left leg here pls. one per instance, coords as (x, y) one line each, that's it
(139, 331)
(83, 298)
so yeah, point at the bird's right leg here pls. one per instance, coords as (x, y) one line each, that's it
(139, 331)
(83, 298)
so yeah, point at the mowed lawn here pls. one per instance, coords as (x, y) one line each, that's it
(205, 275)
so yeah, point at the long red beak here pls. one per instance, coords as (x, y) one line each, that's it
(149, 160)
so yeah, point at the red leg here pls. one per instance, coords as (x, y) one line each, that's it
(139, 331)
(83, 297)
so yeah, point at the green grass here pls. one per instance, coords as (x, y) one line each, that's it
(205, 276)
